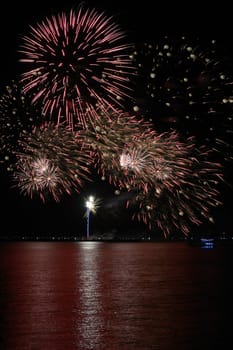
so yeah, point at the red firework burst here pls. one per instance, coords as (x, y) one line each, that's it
(53, 161)
(119, 143)
(182, 195)
(76, 61)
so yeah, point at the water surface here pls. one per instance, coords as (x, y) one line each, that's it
(114, 296)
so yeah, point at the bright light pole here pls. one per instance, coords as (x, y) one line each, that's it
(90, 204)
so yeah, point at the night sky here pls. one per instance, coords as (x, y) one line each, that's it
(145, 21)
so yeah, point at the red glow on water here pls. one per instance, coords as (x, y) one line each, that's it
(93, 295)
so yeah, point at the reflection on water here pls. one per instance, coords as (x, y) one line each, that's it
(114, 296)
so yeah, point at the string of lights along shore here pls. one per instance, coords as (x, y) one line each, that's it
(154, 119)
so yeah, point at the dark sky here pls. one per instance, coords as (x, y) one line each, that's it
(142, 20)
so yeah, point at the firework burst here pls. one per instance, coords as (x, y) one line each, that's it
(52, 162)
(120, 145)
(173, 183)
(75, 61)
(187, 84)
(182, 195)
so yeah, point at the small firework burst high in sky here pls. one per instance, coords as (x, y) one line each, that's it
(74, 61)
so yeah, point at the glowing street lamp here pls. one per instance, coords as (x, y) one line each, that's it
(90, 205)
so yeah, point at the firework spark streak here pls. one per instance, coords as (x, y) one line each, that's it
(52, 162)
(78, 60)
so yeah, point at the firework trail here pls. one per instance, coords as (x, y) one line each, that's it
(95, 204)
(53, 161)
(76, 61)
(17, 116)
